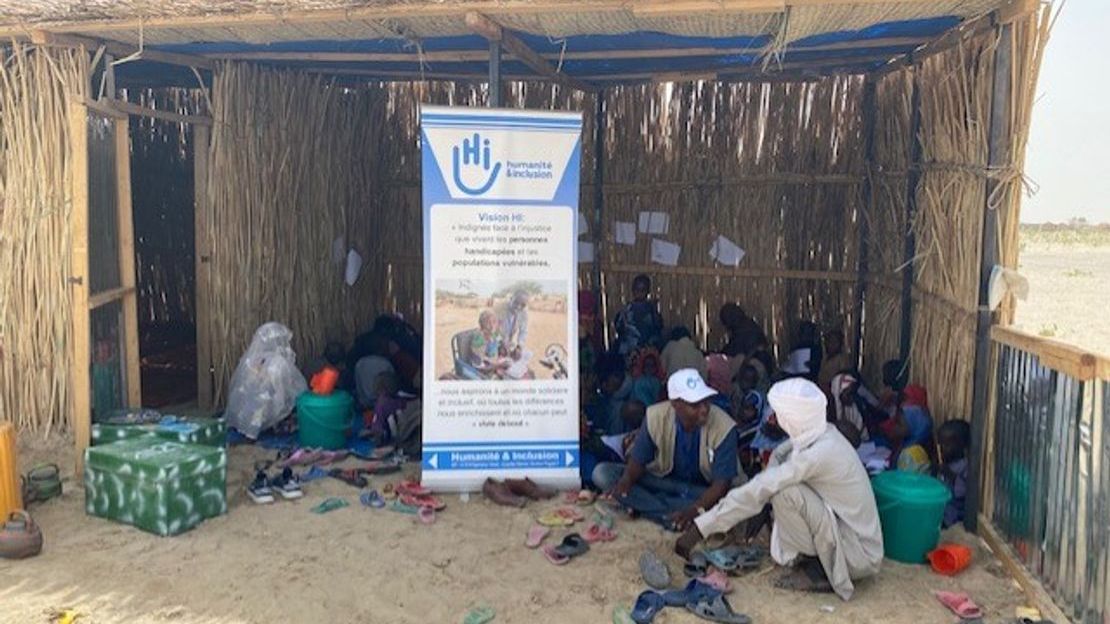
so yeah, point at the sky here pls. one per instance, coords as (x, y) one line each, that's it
(1068, 155)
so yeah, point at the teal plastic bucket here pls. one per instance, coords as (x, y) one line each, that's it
(911, 509)
(324, 421)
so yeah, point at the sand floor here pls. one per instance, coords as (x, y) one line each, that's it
(280, 563)
(1067, 295)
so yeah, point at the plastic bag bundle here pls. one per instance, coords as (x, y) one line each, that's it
(266, 382)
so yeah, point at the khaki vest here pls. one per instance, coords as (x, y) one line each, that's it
(661, 421)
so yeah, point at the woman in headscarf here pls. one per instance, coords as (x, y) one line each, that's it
(826, 523)
(852, 402)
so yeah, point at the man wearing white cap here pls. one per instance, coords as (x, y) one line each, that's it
(683, 459)
(825, 519)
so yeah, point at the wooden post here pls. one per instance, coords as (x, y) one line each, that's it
(494, 73)
(865, 211)
(130, 300)
(999, 148)
(80, 379)
(913, 178)
(201, 252)
(599, 187)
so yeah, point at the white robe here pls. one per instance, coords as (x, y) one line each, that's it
(823, 506)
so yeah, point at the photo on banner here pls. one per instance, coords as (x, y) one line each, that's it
(501, 224)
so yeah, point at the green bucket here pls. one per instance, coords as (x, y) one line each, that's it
(911, 509)
(323, 421)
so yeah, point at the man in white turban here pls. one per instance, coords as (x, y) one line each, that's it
(826, 524)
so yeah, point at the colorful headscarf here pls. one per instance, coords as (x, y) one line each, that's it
(719, 372)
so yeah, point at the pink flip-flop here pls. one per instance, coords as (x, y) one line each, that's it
(570, 513)
(301, 457)
(426, 515)
(553, 556)
(960, 604)
(412, 488)
(718, 580)
(598, 533)
(536, 535)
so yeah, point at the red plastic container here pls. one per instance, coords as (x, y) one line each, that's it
(950, 559)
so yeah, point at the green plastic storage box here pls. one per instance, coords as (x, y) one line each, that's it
(187, 430)
(156, 485)
(911, 509)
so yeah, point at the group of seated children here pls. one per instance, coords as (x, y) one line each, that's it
(890, 430)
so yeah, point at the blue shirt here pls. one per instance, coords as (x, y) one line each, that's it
(686, 455)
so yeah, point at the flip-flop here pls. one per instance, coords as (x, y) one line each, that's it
(717, 610)
(718, 580)
(597, 533)
(536, 535)
(572, 546)
(697, 566)
(808, 576)
(349, 476)
(299, 457)
(603, 519)
(329, 504)
(479, 615)
(330, 457)
(378, 468)
(552, 519)
(382, 452)
(554, 556)
(312, 474)
(372, 499)
(586, 498)
(654, 571)
(570, 513)
(695, 591)
(412, 488)
(426, 515)
(648, 605)
(734, 557)
(400, 507)
(960, 604)
(389, 491)
(423, 501)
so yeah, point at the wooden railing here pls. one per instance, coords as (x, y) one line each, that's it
(1047, 470)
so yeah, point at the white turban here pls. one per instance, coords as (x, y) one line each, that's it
(800, 408)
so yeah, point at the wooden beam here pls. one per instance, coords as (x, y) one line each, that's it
(201, 254)
(960, 33)
(103, 108)
(493, 32)
(1034, 593)
(126, 250)
(80, 383)
(868, 111)
(471, 56)
(105, 297)
(913, 178)
(1066, 358)
(715, 7)
(119, 49)
(141, 111)
(408, 10)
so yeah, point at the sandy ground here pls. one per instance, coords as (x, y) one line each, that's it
(544, 328)
(1068, 288)
(280, 563)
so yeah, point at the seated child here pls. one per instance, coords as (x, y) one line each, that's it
(769, 436)
(953, 440)
(746, 401)
(908, 431)
(388, 403)
(647, 385)
(718, 375)
(604, 411)
(639, 323)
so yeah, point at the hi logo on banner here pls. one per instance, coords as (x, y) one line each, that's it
(475, 156)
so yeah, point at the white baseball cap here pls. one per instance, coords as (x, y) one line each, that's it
(687, 385)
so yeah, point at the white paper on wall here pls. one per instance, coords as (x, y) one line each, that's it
(585, 252)
(726, 252)
(624, 233)
(654, 222)
(354, 267)
(665, 253)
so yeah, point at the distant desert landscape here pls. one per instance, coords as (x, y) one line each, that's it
(1068, 268)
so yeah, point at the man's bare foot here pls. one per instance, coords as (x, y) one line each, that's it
(686, 543)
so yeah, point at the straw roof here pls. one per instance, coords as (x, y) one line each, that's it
(270, 21)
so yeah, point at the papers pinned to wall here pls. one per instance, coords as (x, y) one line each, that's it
(665, 253)
(354, 267)
(726, 252)
(624, 233)
(654, 222)
(585, 252)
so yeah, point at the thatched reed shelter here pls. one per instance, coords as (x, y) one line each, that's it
(867, 155)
